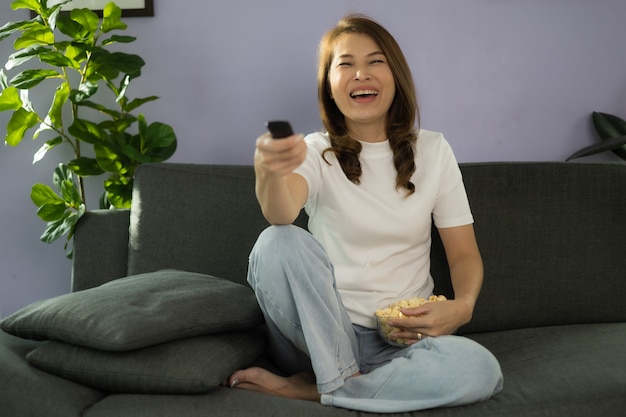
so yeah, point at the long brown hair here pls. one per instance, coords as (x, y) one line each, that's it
(403, 113)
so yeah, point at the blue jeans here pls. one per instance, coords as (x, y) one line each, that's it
(310, 330)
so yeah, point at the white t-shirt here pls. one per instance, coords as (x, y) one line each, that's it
(377, 238)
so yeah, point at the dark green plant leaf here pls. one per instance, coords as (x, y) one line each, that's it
(87, 131)
(135, 154)
(607, 125)
(119, 39)
(46, 147)
(158, 135)
(10, 99)
(118, 62)
(51, 212)
(20, 122)
(110, 160)
(139, 102)
(85, 167)
(603, 146)
(71, 28)
(104, 203)
(102, 109)
(120, 124)
(119, 191)
(55, 59)
(30, 78)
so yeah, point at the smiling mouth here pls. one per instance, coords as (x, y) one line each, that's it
(363, 93)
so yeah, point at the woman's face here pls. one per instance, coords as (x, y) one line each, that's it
(361, 82)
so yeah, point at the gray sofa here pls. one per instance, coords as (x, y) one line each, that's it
(552, 308)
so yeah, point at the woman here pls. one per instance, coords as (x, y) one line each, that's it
(371, 186)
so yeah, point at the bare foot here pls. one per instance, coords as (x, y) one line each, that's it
(299, 386)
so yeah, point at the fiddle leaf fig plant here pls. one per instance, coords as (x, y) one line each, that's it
(612, 132)
(89, 109)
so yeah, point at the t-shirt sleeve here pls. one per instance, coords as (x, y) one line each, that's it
(452, 206)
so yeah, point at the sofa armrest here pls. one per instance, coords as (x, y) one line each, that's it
(100, 248)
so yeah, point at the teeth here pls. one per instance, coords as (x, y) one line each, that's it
(363, 93)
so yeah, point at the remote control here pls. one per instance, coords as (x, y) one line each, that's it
(279, 129)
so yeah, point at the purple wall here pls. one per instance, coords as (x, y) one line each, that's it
(504, 80)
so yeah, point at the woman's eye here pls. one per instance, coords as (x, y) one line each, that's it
(344, 64)
(378, 61)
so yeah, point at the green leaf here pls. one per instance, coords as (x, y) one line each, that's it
(24, 55)
(26, 4)
(30, 78)
(51, 212)
(120, 124)
(85, 167)
(87, 131)
(55, 59)
(12, 27)
(63, 226)
(52, 143)
(42, 194)
(10, 99)
(61, 173)
(109, 160)
(40, 35)
(56, 110)
(139, 102)
(76, 54)
(112, 18)
(119, 191)
(135, 154)
(608, 125)
(116, 62)
(20, 122)
(610, 144)
(85, 91)
(70, 193)
(118, 39)
(71, 28)
(88, 19)
(4, 82)
(159, 135)
(158, 141)
(101, 108)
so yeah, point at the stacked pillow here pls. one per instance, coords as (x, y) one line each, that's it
(164, 332)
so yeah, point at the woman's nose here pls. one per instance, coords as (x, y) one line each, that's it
(361, 74)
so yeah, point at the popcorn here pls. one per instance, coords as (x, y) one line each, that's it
(393, 311)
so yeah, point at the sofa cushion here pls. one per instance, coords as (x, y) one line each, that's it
(189, 366)
(139, 311)
(28, 391)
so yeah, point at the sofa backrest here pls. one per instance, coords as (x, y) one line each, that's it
(551, 235)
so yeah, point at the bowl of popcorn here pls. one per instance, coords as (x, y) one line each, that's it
(393, 311)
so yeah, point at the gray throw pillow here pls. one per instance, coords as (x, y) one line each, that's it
(191, 366)
(139, 311)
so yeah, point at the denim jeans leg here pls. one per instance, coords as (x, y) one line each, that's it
(294, 283)
(436, 372)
